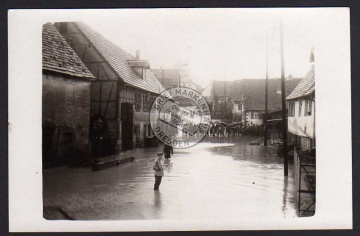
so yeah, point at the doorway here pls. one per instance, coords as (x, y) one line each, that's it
(127, 126)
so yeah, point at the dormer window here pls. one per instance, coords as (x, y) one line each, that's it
(139, 66)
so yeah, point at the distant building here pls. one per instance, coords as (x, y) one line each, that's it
(121, 95)
(219, 95)
(253, 97)
(244, 100)
(170, 78)
(65, 101)
(301, 110)
(236, 110)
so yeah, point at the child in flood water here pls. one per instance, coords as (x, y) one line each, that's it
(159, 171)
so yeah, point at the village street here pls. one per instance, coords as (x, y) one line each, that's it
(223, 177)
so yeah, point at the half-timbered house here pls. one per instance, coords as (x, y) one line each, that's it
(121, 95)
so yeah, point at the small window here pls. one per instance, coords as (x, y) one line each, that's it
(147, 102)
(308, 107)
(138, 102)
(291, 109)
(300, 108)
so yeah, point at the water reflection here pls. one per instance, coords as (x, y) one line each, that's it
(199, 183)
(256, 154)
(157, 200)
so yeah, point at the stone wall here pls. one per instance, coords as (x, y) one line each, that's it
(66, 115)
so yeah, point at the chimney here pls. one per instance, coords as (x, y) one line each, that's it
(137, 54)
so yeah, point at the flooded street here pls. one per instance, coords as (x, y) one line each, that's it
(220, 178)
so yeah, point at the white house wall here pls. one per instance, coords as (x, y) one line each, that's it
(303, 125)
(254, 121)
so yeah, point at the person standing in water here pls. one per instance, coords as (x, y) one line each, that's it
(168, 150)
(158, 171)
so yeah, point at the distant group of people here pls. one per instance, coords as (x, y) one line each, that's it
(222, 130)
(158, 167)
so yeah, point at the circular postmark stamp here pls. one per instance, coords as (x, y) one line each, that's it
(180, 117)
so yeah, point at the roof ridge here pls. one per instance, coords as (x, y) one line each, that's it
(117, 58)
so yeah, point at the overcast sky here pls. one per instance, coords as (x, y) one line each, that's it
(217, 43)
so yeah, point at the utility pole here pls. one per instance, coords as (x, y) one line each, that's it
(286, 161)
(266, 95)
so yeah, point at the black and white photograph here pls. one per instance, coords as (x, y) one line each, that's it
(181, 119)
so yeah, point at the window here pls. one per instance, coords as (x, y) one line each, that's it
(291, 110)
(137, 101)
(252, 115)
(147, 101)
(300, 108)
(308, 107)
(239, 107)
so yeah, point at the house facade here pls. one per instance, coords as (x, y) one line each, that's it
(121, 94)
(65, 101)
(244, 100)
(253, 117)
(220, 96)
(170, 78)
(236, 110)
(301, 112)
(253, 97)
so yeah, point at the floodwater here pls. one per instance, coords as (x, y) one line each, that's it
(220, 178)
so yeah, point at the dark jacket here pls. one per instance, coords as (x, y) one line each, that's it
(168, 150)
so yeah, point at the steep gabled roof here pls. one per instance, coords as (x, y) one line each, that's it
(117, 59)
(305, 87)
(58, 56)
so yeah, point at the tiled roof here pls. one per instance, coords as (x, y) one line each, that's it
(254, 93)
(219, 88)
(58, 56)
(305, 87)
(117, 59)
(233, 88)
(168, 77)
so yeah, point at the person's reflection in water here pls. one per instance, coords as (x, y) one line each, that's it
(157, 199)
(156, 212)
